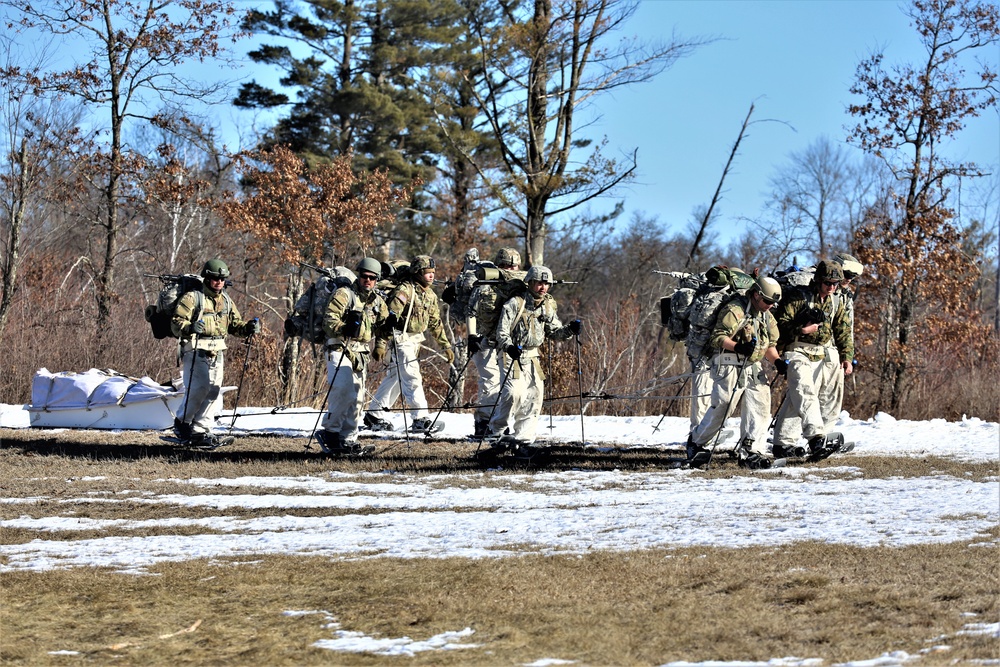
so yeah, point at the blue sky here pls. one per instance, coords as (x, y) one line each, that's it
(795, 60)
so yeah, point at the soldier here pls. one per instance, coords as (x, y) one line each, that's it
(852, 271)
(818, 346)
(526, 320)
(352, 317)
(413, 309)
(745, 333)
(484, 313)
(202, 320)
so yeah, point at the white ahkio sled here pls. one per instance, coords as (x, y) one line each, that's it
(104, 399)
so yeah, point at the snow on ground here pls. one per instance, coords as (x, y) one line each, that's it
(442, 516)
(493, 514)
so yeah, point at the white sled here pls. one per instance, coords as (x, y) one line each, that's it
(103, 400)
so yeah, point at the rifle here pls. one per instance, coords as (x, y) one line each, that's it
(501, 282)
(319, 269)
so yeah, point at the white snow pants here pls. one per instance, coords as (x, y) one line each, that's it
(520, 399)
(488, 365)
(701, 390)
(815, 394)
(347, 391)
(731, 384)
(203, 387)
(402, 376)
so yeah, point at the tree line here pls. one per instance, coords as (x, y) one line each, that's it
(432, 127)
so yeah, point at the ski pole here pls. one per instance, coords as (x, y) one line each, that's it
(694, 369)
(239, 387)
(447, 396)
(579, 378)
(503, 384)
(326, 400)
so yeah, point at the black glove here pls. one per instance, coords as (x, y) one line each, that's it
(198, 327)
(513, 351)
(810, 316)
(394, 322)
(290, 327)
(781, 366)
(574, 327)
(746, 347)
(252, 327)
(475, 344)
(352, 324)
(448, 295)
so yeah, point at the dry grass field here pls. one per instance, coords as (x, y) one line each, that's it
(813, 600)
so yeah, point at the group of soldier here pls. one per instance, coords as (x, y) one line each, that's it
(808, 338)
(371, 320)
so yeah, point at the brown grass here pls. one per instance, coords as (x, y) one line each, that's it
(810, 600)
(640, 608)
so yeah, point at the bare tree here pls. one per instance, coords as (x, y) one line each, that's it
(131, 56)
(814, 184)
(542, 62)
(35, 136)
(905, 115)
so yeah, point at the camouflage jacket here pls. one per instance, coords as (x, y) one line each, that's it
(372, 307)
(836, 329)
(217, 311)
(418, 307)
(525, 323)
(737, 320)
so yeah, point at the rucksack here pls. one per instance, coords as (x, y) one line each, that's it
(502, 285)
(795, 276)
(306, 319)
(458, 293)
(160, 314)
(690, 312)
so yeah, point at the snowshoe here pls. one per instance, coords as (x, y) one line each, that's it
(332, 445)
(699, 457)
(527, 454)
(200, 441)
(208, 442)
(426, 426)
(491, 451)
(373, 423)
(821, 447)
(752, 460)
(794, 452)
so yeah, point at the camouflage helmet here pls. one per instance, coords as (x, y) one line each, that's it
(852, 267)
(421, 263)
(769, 289)
(215, 268)
(371, 265)
(507, 258)
(828, 270)
(538, 273)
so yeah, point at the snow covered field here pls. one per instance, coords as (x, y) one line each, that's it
(494, 514)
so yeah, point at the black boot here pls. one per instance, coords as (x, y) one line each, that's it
(329, 441)
(182, 430)
(376, 424)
